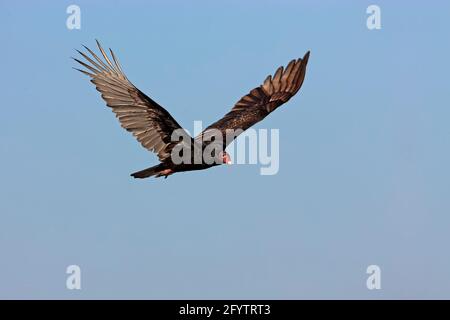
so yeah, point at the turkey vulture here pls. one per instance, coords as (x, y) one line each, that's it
(154, 127)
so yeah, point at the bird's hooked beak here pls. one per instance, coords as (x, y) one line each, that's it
(226, 158)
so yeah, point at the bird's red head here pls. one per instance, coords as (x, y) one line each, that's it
(226, 158)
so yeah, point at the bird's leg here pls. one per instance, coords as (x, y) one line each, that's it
(166, 173)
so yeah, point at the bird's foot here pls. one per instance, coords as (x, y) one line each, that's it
(165, 173)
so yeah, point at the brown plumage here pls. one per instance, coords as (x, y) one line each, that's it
(153, 126)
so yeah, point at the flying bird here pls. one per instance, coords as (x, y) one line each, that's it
(154, 127)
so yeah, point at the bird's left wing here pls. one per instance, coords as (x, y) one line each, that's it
(259, 102)
(150, 123)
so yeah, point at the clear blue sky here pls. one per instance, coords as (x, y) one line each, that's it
(364, 162)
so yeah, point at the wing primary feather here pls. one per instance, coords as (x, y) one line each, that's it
(99, 67)
(301, 74)
(268, 87)
(116, 61)
(85, 72)
(104, 66)
(111, 67)
(86, 65)
(276, 79)
(285, 76)
(293, 75)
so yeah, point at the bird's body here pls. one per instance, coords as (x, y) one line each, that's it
(155, 128)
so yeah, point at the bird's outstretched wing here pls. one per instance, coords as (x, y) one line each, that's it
(259, 102)
(150, 123)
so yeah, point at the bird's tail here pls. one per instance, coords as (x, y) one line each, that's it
(149, 172)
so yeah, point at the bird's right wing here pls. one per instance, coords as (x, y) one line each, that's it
(150, 123)
(259, 102)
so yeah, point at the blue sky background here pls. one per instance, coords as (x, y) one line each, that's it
(364, 159)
